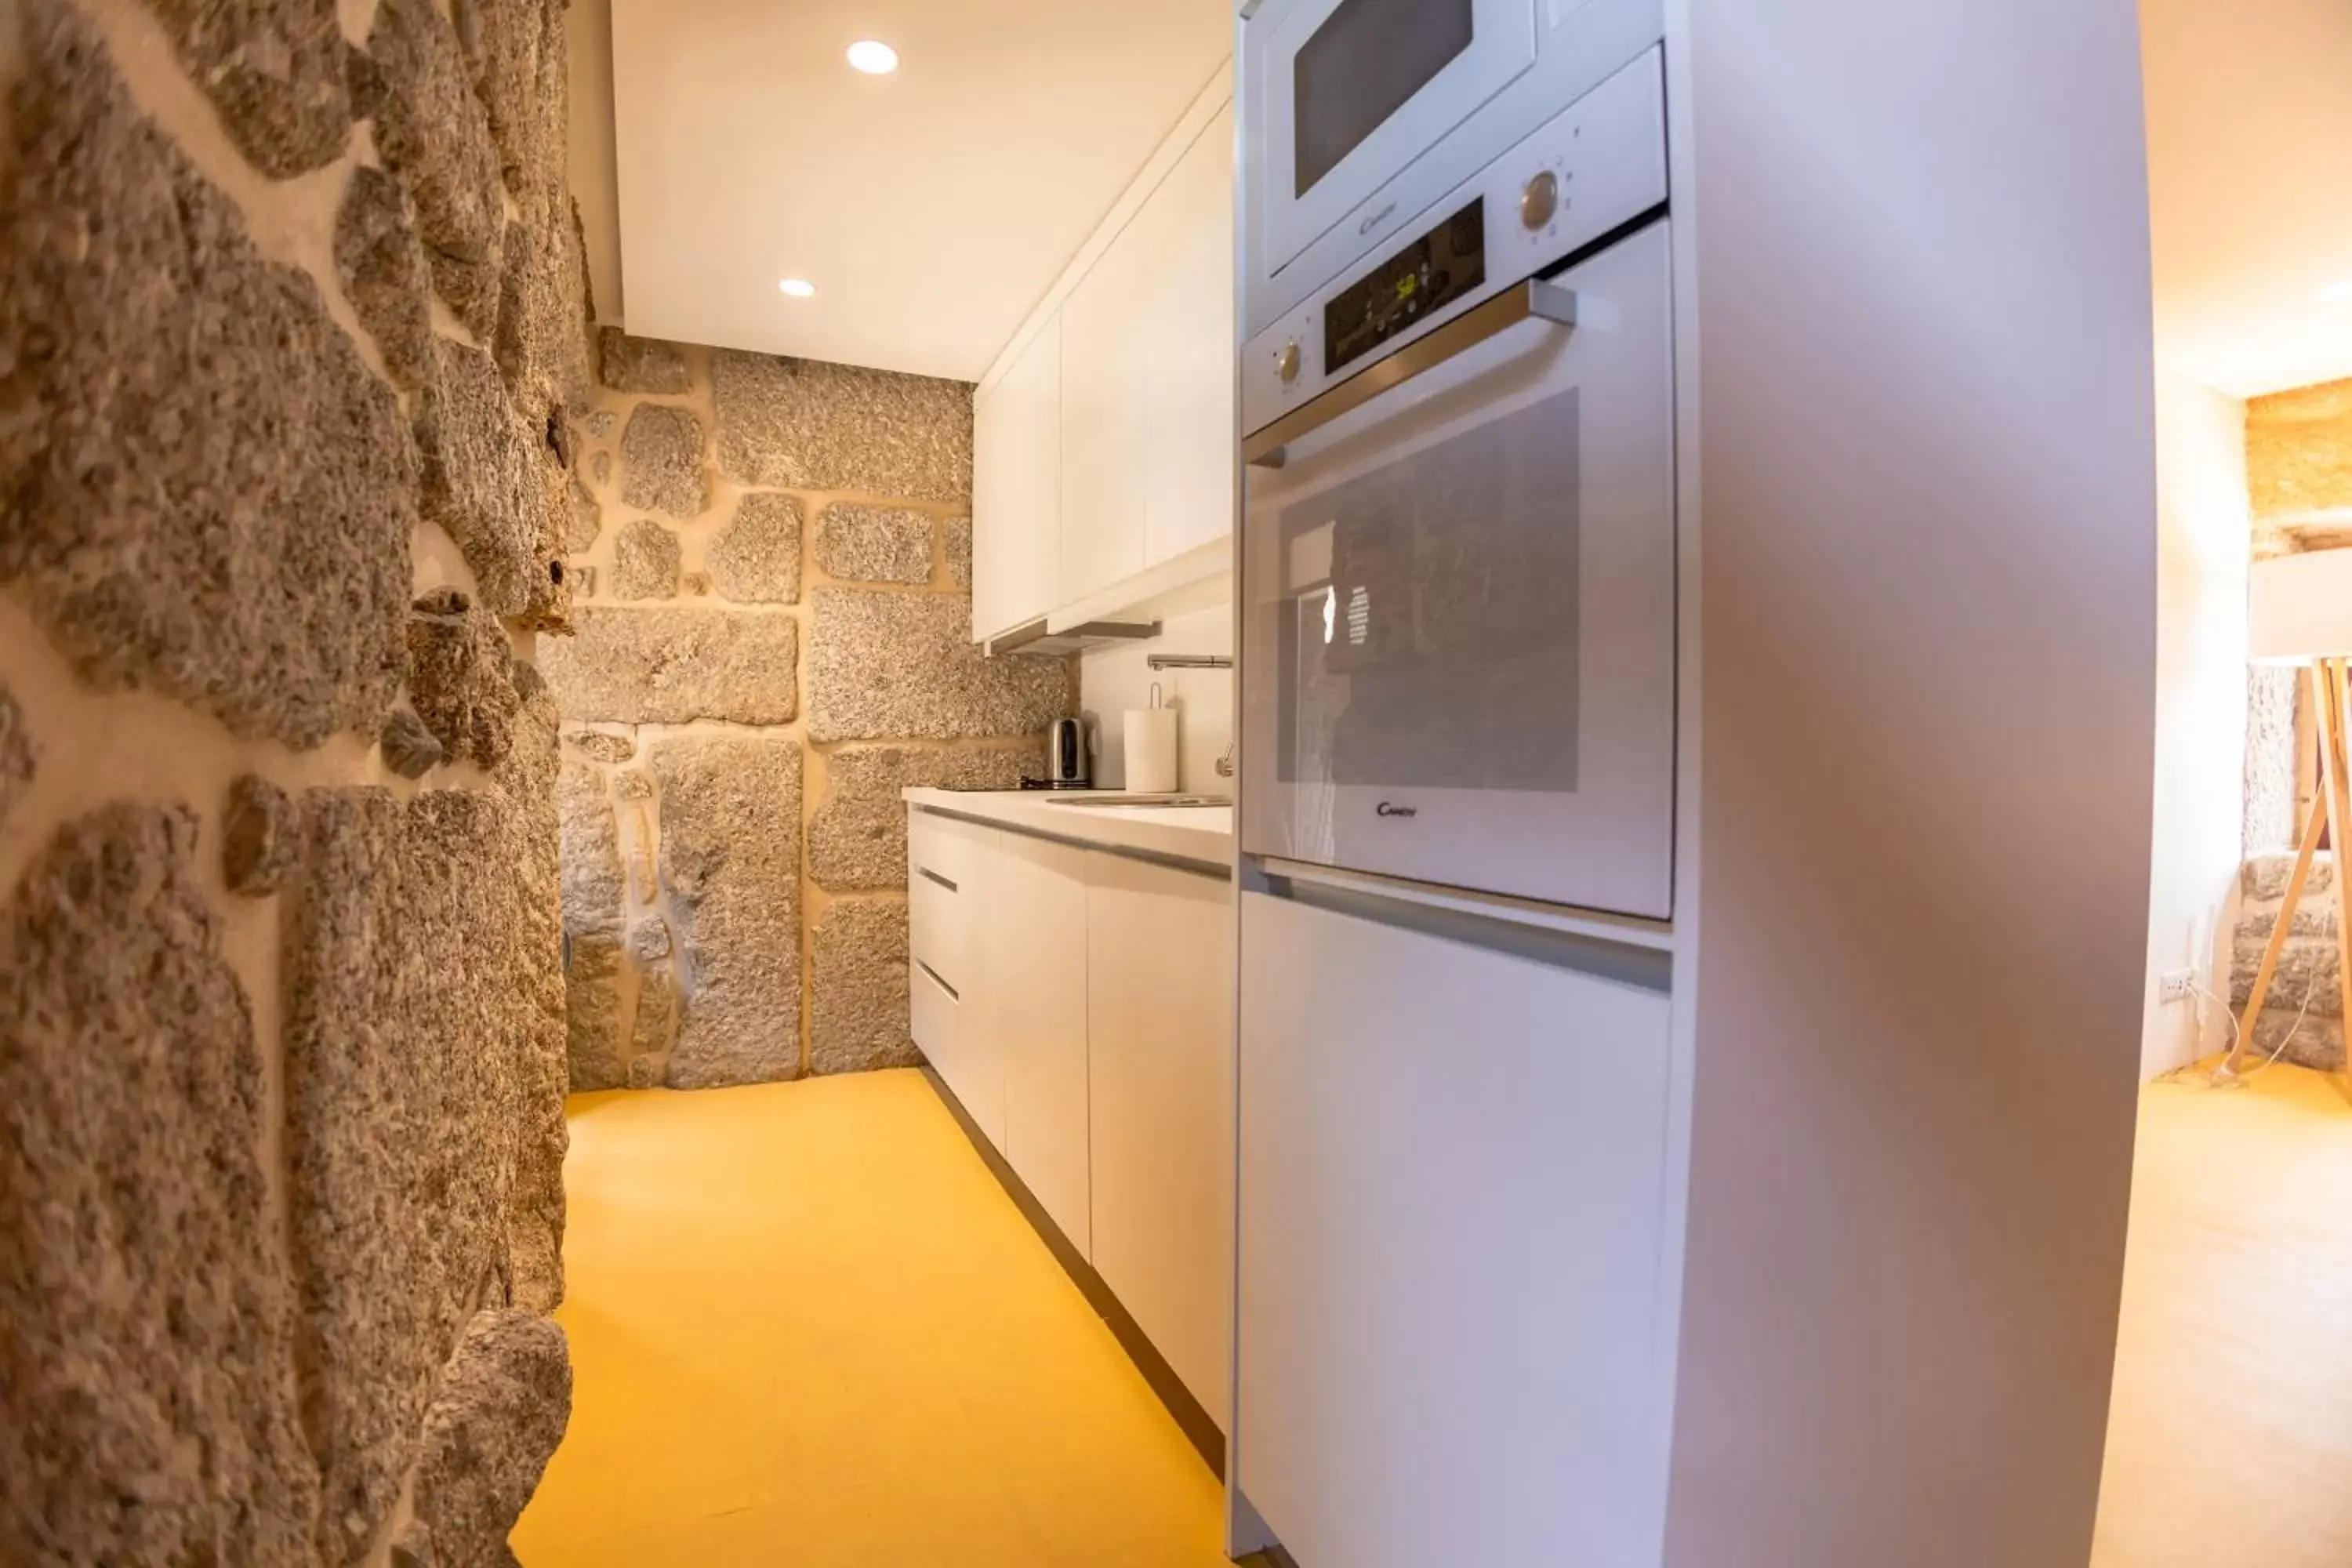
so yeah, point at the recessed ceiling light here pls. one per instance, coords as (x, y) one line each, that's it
(873, 56)
(2336, 294)
(798, 288)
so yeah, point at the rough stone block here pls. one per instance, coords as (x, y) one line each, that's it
(860, 1018)
(2266, 876)
(600, 467)
(874, 544)
(591, 849)
(731, 865)
(2299, 450)
(2313, 1042)
(535, 1206)
(260, 837)
(548, 605)
(661, 461)
(2313, 917)
(858, 836)
(274, 70)
(600, 423)
(495, 1422)
(959, 547)
(203, 489)
(435, 135)
(18, 759)
(404, 1037)
(382, 265)
(592, 897)
(410, 749)
(644, 561)
(504, 42)
(584, 519)
(461, 678)
(600, 746)
(2307, 972)
(756, 559)
(672, 666)
(639, 364)
(649, 940)
(648, 1072)
(541, 342)
(808, 424)
(510, 345)
(656, 1014)
(593, 1041)
(886, 665)
(483, 483)
(146, 1318)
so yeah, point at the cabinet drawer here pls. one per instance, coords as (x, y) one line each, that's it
(939, 848)
(948, 1029)
(939, 921)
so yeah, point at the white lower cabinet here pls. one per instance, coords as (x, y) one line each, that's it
(1451, 1236)
(1160, 946)
(947, 865)
(1033, 931)
(1079, 1004)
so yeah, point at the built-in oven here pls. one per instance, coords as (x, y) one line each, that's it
(1458, 536)
(1361, 110)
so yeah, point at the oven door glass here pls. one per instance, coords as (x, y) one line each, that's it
(1459, 639)
(1356, 90)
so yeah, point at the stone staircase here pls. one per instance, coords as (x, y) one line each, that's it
(2307, 968)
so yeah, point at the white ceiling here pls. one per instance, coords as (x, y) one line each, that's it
(932, 208)
(2250, 154)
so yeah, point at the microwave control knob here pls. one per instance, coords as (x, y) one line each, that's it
(1539, 201)
(1285, 362)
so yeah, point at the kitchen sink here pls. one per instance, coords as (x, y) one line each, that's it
(1114, 797)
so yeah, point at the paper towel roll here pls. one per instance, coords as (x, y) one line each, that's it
(1151, 750)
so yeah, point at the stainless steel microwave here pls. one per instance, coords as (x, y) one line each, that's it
(1360, 112)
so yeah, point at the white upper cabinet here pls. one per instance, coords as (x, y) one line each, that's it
(1017, 504)
(1125, 461)
(1188, 497)
(1105, 413)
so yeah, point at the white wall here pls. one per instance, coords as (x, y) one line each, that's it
(1113, 679)
(2203, 538)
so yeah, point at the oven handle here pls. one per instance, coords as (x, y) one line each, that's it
(1269, 449)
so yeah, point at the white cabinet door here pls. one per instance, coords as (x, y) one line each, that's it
(1159, 958)
(1034, 932)
(1016, 478)
(1105, 347)
(1189, 318)
(947, 862)
(1453, 1223)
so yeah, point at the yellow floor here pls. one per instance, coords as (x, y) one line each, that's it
(808, 1328)
(2231, 1443)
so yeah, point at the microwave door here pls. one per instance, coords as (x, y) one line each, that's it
(1460, 609)
(1351, 91)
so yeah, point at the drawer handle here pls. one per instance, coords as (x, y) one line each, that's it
(953, 994)
(935, 876)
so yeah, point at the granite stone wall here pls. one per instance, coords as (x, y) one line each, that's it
(2303, 1016)
(772, 567)
(293, 335)
(2299, 458)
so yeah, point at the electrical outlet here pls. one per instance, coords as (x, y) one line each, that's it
(2175, 986)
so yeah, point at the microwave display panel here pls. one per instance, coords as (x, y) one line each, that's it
(1422, 279)
(1362, 65)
